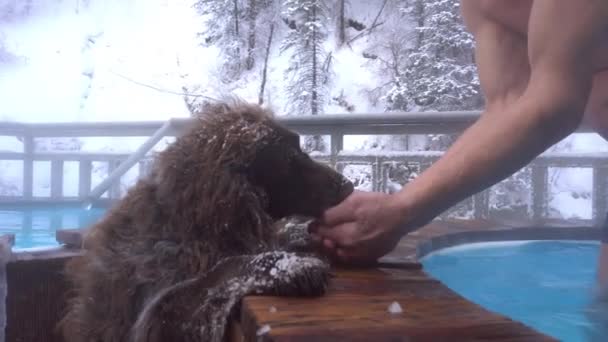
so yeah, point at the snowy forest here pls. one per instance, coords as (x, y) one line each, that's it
(135, 60)
(417, 53)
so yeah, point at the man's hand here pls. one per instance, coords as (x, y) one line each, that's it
(361, 229)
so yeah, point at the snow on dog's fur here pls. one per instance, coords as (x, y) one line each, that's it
(173, 257)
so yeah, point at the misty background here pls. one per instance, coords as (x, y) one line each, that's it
(140, 60)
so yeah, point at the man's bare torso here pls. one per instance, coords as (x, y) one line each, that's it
(513, 15)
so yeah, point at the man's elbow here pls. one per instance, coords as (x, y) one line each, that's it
(559, 99)
(564, 115)
(559, 113)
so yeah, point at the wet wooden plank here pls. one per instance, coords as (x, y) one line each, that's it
(355, 308)
(70, 237)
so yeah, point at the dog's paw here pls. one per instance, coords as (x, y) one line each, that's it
(289, 274)
(292, 235)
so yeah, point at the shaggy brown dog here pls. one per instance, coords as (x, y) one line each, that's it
(171, 259)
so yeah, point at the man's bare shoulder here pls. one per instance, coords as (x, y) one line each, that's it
(517, 17)
(512, 15)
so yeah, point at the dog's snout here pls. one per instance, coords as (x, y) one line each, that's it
(346, 188)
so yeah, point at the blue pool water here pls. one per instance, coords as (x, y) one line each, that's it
(547, 285)
(35, 225)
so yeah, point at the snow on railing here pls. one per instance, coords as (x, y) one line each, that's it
(335, 126)
(27, 133)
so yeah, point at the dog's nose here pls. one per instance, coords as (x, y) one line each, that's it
(346, 188)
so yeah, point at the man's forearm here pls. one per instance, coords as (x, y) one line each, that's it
(492, 149)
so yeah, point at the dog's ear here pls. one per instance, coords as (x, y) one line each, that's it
(166, 183)
(171, 167)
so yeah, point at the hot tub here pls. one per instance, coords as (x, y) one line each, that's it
(548, 285)
(34, 225)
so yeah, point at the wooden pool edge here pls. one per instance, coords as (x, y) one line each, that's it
(444, 234)
(435, 236)
(35, 291)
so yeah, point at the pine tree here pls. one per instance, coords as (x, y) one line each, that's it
(400, 43)
(341, 22)
(308, 75)
(440, 73)
(252, 15)
(265, 66)
(260, 13)
(223, 19)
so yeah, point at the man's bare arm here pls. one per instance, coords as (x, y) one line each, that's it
(561, 38)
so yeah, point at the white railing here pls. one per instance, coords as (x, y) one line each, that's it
(335, 126)
(27, 133)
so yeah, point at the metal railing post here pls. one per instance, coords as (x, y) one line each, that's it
(114, 192)
(600, 186)
(539, 191)
(337, 145)
(481, 205)
(28, 166)
(84, 178)
(129, 162)
(56, 179)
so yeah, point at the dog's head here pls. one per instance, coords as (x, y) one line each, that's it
(237, 162)
(295, 183)
(269, 155)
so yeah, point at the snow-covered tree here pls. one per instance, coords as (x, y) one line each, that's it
(260, 16)
(223, 20)
(308, 75)
(440, 73)
(253, 10)
(393, 48)
(12, 9)
(264, 73)
(263, 20)
(234, 27)
(341, 22)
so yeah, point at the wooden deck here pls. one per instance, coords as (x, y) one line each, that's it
(355, 308)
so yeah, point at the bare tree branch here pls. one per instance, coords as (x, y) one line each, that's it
(341, 24)
(160, 89)
(265, 70)
(371, 28)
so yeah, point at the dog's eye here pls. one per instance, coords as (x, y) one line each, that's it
(299, 157)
